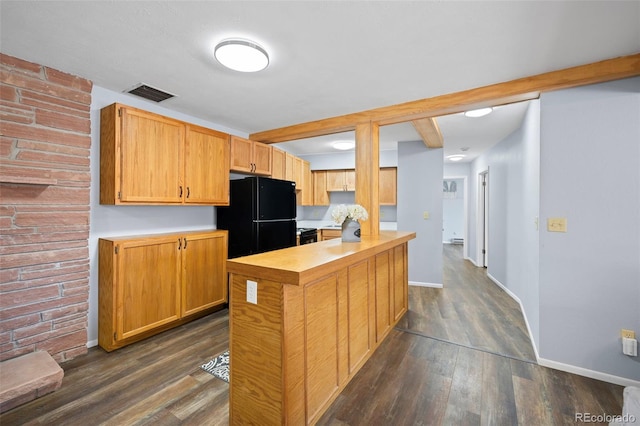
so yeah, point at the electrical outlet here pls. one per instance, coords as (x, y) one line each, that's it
(252, 292)
(629, 334)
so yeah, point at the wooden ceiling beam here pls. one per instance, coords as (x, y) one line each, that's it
(429, 131)
(493, 95)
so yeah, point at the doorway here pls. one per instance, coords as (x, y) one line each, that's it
(454, 209)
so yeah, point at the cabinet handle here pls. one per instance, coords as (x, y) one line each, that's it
(185, 243)
(188, 192)
(179, 243)
(180, 191)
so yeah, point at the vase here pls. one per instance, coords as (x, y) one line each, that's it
(350, 230)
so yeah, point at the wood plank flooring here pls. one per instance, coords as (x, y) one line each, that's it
(466, 373)
(470, 310)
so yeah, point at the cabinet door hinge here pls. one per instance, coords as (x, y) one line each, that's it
(115, 335)
(119, 112)
(119, 196)
(117, 249)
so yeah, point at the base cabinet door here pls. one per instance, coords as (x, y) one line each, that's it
(204, 272)
(148, 293)
(152, 283)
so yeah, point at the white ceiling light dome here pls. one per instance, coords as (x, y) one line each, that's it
(478, 112)
(343, 145)
(241, 55)
(456, 157)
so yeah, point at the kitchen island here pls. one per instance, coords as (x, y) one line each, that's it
(303, 321)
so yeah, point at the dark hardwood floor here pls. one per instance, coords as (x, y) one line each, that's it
(460, 356)
(470, 310)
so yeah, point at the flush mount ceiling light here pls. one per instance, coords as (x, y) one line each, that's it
(478, 112)
(455, 157)
(343, 145)
(241, 55)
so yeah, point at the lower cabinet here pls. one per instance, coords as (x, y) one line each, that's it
(330, 234)
(296, 349)
(148, 284)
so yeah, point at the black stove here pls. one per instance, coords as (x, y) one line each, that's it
(307, 235)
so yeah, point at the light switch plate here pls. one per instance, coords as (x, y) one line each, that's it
(557, 224)
(252, 292)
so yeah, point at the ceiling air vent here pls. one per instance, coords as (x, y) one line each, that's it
(150, 93)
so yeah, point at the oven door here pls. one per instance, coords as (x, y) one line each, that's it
(308, 237)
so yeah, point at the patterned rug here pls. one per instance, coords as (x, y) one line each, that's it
(219, 366)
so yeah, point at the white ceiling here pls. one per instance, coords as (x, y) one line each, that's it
(328, 58)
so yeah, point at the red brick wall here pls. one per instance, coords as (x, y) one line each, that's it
(44, 213)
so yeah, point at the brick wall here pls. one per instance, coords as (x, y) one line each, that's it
(44, 213)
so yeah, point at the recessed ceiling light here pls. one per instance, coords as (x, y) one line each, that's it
(343, 145)
(457, 157)
(241, 55)
(478, 112)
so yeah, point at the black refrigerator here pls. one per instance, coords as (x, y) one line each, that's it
(261, 215)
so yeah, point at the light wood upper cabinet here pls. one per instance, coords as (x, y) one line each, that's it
(289, 162)
(388, 186)
(147, 158)
(278, 163)
(206, 181)
(249, 156)
(150, 283)
(307, 184)
(320, 194)
(341, 180)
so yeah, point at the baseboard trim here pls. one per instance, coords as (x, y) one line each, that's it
(471, 260)
(421, 284)
(92, 343)
(524, 313)
(592, 374)
(622, 381)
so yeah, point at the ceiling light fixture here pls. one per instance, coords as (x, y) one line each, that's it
(455, 157)
(241, 55)
(478, 112)
(343, 145)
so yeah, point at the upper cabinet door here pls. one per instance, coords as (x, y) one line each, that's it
(248, 156)
(278, 163)
(241, 155)
(335, 180)
(387, 183)
(205, 181)
(152, 158)
(262, 156)
(350, 180)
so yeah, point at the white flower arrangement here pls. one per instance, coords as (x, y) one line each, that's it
(353, 211)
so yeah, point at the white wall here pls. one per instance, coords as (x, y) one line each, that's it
(109, 221)
(590, 275)
(420, 189)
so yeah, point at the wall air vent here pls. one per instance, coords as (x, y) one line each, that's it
(150, 93)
